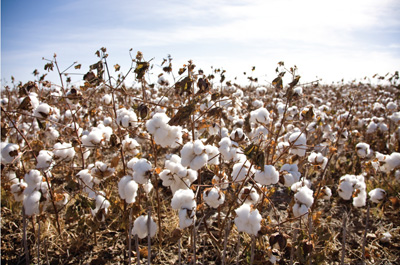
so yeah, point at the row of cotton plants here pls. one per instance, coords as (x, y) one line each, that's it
(235, 164)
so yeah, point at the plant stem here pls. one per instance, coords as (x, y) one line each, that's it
(130, 237)
(24, 238)
(149, 236)
(365, 234)
(344, 238)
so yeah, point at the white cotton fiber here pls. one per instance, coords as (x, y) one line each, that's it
(140, 227)
(31, 203)
(269, 176)
(248, 220)
(183, 199)
(377, 195)
(213, 197)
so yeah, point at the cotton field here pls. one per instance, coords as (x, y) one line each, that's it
(191, 168)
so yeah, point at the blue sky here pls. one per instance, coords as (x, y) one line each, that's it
(325, 39)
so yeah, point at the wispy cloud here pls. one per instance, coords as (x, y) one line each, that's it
(321, 36)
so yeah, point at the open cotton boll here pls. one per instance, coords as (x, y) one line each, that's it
(213, 154)
(290, 173)
(213, 197)
(126, 118)
(260, 115)
(385, 237)
(64, 151)
(17, 189)
(198, 147)
(240, 170)
(395, 117)
(346, 190)
(317, 159)
(296, 186)
(11, 177)
(121, 185)
(9, 152)
(140, 171)
(363, 150)
(392, 162)
(31, 203)
(131, 146)
(326, 193)
(298, 141)
(361, 199)
(261, 91)
(148, 187)
(227, 150)
(158, 121)
(140, 227)
(42, 111)
(391, 106)
(33, 177)
(187, 217)
(248, 220)
(101, 203)
(248, 195)
(106, 99)
(130, 191)
(92, 139)
(377, 195)
(257, 103)
(222, 183)
(304, 195)
(183, 199)
(299, 210)
(269, 176)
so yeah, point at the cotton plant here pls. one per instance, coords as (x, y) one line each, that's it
(141, 227)
(184, 202)
(164, 134)
(176, 176)
(248, 220)
(353, 186)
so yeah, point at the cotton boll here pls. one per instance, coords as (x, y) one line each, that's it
(326, 193)
(42, 111)
(248, 195)
(269, 176)
(11, 177)
(130, 146)
(386, 237)
(260, 115)
(298, 141)
(290, 174)
(148, 187)
(64, 151)
(31, 203)
(363, 150)
(106, 99)
(140, 171)
(361, 199)
(199, 161)
(226, 149)
(93, 139)
(392, 161)
(247, 220)
(9, 152)
(131, 163)
(213, 154)
(121, 185)
(392, 106)
(198, 147)
(395, 117)
(101, 204)
(213, 197)
(183, 199)
(345, 190)
(17, 189)
(222, 183)
(140, 227)
(186, 217)
(126, 118)
(33, 177)
(297, 185)
(45, 159)
(377, 195)
(300, 210)
(304, 195)
(101, 170)
(318, 159)
(240, 171)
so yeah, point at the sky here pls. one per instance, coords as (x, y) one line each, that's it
(327, 40)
